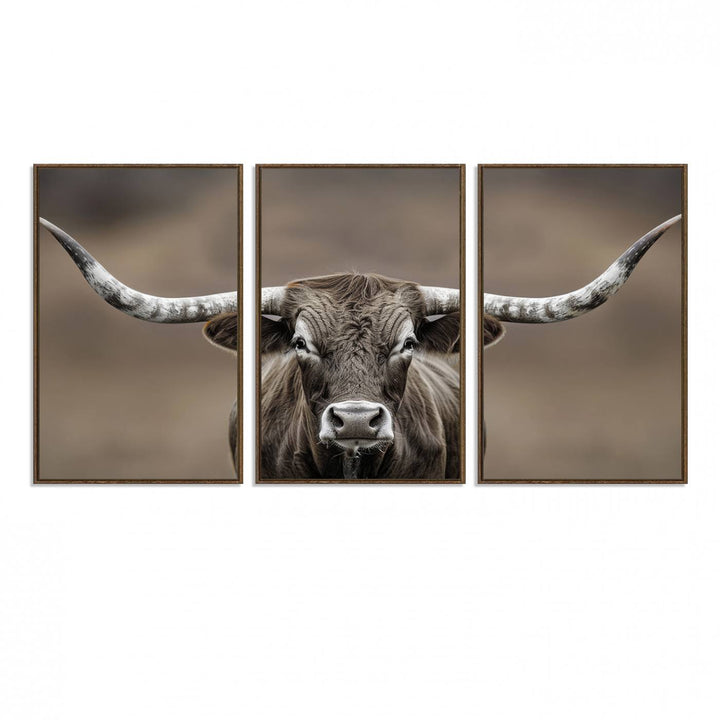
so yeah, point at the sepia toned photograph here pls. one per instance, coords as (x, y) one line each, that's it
(360, 287)
(136, 323)
(583, 356)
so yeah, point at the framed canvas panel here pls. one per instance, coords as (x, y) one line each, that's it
(360, 288)
(134, 264)
(583, 323)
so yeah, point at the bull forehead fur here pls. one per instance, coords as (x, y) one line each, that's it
(352, 320)
(357, 300)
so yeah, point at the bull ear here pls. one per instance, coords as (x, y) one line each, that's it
(275, 335)
(223, 331)
(493, 331)
(441, 335)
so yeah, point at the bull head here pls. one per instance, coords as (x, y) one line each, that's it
(354, 337)
(218, 311)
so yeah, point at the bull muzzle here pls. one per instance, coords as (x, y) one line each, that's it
(356, 424)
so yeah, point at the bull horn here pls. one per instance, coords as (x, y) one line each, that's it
(440, 300)
(271, 300)
(573, 304)
(137, 304)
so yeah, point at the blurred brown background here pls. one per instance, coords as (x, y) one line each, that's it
(121, 398)
(399, 222)
(597, 397)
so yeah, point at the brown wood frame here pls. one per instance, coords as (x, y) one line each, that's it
(36, 289)
(258, 279)
(684, 298)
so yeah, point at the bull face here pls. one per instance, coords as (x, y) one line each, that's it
(354, 338)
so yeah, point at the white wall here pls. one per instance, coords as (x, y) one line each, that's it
(359, 602)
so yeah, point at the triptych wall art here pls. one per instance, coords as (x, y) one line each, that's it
(361, 315)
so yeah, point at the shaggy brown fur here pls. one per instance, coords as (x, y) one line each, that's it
(223, 331)
(493, 332)
(354, 321)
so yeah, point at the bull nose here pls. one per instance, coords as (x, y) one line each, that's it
(357, 423)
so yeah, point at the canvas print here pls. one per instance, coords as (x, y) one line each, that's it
(134, 265)
(360, 294)
(583, 372)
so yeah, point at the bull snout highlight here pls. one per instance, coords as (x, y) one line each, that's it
(356, 424)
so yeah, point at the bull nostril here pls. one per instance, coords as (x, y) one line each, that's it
(336, 421)
(375, 421)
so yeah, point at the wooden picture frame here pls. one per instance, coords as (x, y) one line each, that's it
(334, 187)
(117, 400)
(543, 224)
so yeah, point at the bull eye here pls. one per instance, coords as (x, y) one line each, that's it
(299, 344)
(409, 345)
